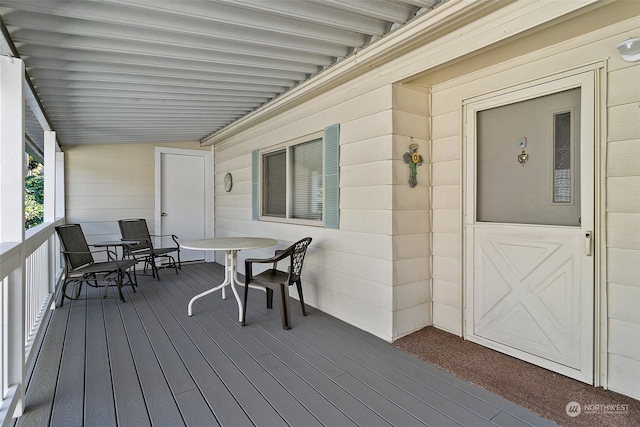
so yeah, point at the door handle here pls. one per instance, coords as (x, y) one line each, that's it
(587, 242)
(163, 214)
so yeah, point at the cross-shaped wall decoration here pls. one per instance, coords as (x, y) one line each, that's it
(413, 159)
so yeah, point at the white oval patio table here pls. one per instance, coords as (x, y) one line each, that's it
(231, 246)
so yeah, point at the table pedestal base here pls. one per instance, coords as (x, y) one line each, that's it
(230, 278)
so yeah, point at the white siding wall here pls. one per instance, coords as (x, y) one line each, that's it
(623, 226)
(620, 146)
(348, 272)
(105, 183)
(411, 214)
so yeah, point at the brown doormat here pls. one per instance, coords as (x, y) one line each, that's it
(541, 391)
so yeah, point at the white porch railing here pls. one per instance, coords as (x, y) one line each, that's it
(29, 273)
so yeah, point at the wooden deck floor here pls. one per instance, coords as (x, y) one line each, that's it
(146, 363)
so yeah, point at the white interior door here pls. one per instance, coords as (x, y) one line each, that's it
(529, 225)
(182, 203)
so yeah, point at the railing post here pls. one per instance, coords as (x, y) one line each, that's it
(12, 210)
(49, 176)
(16, 334)
(50, 194)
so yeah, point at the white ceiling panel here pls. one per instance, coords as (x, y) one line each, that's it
(128, 71)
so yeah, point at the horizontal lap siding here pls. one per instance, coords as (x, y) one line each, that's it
(622, 171)
(348, 272)
(411, 213)
(446, 189)
(623, 227)
(370, 134)
(105, 183)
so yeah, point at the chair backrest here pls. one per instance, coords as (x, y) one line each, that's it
(299, 250)
(74, 244)
(136, 229)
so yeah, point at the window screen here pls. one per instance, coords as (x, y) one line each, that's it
(544, 190)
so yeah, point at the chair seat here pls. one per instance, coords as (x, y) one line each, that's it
(270, 277)
(101, 267)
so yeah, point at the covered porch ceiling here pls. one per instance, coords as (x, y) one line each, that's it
(135, 71)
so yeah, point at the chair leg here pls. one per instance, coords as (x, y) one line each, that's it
(119, 284)
(79, 288)
(156, 274)
(63, 292)
(133, 282)
(173, 261)
(147, 262)
(299, 286)
(244, 303)
(285, 311)
(269, 293)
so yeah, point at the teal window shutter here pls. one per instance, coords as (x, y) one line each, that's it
(255, 200)
(332, 176)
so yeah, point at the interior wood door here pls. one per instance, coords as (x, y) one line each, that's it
(529, 225)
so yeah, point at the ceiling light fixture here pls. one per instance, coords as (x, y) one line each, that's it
(630, 49)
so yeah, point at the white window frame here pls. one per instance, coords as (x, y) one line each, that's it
(289, 190)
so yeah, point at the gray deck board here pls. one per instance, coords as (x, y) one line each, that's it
(40, 392)
(131, 409)
(146, 362)
(440, 396)
(283, 372)
(68, 406)
(300, 360)
(287, 407)
(258, 409)
(99, 401)
(430, 374)
(160, 401)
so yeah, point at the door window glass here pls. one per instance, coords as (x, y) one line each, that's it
(562, 157)
(545, 189)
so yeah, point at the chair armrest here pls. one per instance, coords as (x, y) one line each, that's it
(173, 236)
(248, 263)
(86, 252)
(111, 255)
(279, 255)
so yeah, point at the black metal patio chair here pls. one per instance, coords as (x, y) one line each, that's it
(136, 229)
(81, 267)
(278, 281)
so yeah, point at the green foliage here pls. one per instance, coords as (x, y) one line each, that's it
(33, 211)
(33, 195)
(34, 185)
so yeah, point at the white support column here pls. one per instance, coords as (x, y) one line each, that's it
(12, 213)
(60, 194)
(50, 176)
(59, 212)
(11, 150)
(50, 187)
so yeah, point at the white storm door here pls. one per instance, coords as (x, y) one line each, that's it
(529, 225)
(181, 197)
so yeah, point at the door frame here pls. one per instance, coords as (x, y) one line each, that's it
(208, 186)
(589, 79)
